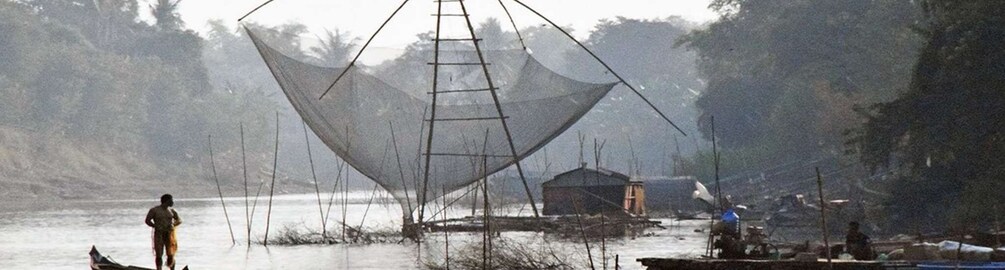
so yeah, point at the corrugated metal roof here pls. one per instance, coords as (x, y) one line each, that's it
(658, 178)
(582, 177)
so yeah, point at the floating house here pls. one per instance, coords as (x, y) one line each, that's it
(588, 191)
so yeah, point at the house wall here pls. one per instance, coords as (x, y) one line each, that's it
(672, 196)
(563, 200)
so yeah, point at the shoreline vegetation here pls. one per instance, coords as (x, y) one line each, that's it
(293, 235)
(510, 254)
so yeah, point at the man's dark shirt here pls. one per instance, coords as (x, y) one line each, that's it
(858, 245)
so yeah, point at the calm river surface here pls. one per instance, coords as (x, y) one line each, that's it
(60, 238)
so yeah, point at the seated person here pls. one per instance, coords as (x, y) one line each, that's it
(857, 243)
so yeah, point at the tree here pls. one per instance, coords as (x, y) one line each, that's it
(944, 136)
(774, 68)
(165, 13)
(336, 49)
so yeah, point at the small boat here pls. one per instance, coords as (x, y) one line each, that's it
(100, 262)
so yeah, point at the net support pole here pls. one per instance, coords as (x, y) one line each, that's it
(432, 112)
(609, 69)
(502, 117)
(253, 10)
(401, 172)
(513, 22)
(353, 62)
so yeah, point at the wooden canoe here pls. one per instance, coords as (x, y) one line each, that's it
(100, 262)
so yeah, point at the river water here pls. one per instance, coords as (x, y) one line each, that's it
(60, 237)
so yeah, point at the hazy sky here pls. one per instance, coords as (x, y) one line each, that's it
(362, 17)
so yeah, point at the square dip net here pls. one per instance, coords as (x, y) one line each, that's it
(377, 119)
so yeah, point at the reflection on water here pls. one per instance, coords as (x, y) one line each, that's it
(60, 238)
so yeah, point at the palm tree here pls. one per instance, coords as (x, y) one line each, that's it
(166, 14)
(335, 48)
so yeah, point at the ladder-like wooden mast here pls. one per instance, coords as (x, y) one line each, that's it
(490, 88)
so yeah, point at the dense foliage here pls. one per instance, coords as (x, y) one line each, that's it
(95, 75)
(784, 77)
(944, 136)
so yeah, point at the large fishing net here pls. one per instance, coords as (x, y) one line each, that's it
(377, 118)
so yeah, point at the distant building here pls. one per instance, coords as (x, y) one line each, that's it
(671, 195)
(589, 191)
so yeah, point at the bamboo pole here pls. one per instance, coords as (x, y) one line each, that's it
(718, 191)
(345, 185)
(609, 69)
(345, 202)
(823, 219)
(963, 236)
(487, 232)
(446, 233)
(495, 99)
(998, 230)
(359, 229)
(335, 190)
(474, 198)
(603, 241)
(219, 190)
(374, 192)
(715, 156)
(421, 199)
(254, 203)
(244, 163)
(272, 186)
(515, 28)
(317, 189)
(367, 44)
(253, 10)
(579, 220)
(401, 173)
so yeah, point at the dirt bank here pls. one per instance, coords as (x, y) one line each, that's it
(39, 168)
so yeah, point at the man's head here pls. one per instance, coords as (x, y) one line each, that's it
(853, 226)
(167, 200)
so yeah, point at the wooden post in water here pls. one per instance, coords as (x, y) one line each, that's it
(406, 217)
(372, 193)
(487, 211)
(244, 166)
(823, 219)
(474, 199)
(446, 233)
(272, 186)
(317, 189)
(998, 230)
(487, 232)
(963, 236)
(718, 191)
(586, 241)
(219, 190)
(331, 198)
(254, 203)
(603, 241)
(345, 184)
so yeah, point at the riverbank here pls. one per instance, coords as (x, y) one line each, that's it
(38, 170)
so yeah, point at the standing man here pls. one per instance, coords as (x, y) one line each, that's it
(163, 219)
